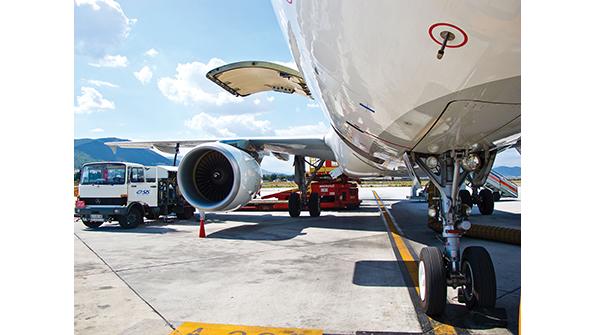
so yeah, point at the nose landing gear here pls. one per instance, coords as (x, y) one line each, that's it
(472, 273)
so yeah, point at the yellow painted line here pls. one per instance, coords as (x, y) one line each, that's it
(199, 328)
(411, 264)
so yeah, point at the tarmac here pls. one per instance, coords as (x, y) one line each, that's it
(340, 273)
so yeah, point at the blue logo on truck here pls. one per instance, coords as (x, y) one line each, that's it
(142, 192)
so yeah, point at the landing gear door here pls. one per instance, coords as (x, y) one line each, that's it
(138, 189)
(245, 78)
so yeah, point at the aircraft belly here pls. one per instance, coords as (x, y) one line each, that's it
(373, 69)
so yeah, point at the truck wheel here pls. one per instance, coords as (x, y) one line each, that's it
(314, 205)
(352, 206)
(294, 205)
(152, 215)
(187, 214)
(90, 224)
(132, 220)
(486, 202)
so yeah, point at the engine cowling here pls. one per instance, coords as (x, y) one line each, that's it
(218, 177)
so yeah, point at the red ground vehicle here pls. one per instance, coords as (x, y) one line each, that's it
(340, 193)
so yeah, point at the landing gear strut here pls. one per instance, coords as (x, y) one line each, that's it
(471, 272)
(298, 201)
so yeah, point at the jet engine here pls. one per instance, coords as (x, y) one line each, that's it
(218, 177)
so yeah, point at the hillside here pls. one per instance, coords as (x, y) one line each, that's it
(92, 150)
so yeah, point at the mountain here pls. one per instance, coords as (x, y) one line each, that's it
(280, 174)
(93, 150)
(509, 171)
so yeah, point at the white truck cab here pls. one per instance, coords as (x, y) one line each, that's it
(127, 192)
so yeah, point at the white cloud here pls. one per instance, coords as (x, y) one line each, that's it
(305, 130)
(229, 125)
(91, 101)
(152, 52)
(509, 157)
(111, 61)
(256, 101)
(100, 26)
(190, 86)
(100, 83)
(312, 105)
(270, 99)
(144, 75)
(97, 130)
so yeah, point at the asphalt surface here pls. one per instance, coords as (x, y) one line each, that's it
(337, 273)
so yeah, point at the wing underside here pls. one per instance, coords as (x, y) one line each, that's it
(310, 147)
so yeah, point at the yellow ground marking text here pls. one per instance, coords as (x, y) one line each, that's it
(199, 328)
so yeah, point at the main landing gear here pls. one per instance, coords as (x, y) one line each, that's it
(300, 200)
(471, 272)
(484, 199)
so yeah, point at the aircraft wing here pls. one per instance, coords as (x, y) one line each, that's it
(280, 147)
(243, 79)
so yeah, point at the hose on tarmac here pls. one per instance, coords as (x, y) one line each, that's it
(485, 232)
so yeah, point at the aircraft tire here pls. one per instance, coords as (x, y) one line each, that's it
(497, 196)
(465, 197)
(486, 203)
(477, 267)
(294, 205)
(314, 205)
(432, 281)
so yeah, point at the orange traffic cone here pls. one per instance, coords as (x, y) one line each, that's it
(201, 232)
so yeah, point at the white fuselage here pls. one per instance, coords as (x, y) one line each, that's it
(372, 65)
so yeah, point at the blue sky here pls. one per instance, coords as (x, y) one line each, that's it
(140, 66)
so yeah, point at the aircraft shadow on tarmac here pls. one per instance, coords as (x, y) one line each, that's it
(151, 227)
(138, 230)
(279, 228)
(261, 226)
(378, 273)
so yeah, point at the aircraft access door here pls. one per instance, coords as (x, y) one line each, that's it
(245, 78)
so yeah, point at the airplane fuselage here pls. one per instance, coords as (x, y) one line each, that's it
(373, 68)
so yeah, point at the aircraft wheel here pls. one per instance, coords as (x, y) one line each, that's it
(294, 205)
(497, 196)
(465, 197)
(89, 223)
(132, 220)
(314, 204)
(432, 281)
(477, 267)
(486, 203)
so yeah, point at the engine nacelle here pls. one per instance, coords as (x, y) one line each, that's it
(218, 177)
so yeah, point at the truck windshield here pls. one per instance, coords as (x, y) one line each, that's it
(105, 174)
